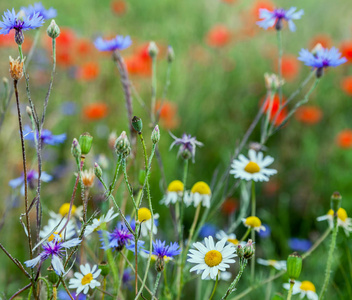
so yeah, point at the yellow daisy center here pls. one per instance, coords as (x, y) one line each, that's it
(252, 167)
(213, 258)
(53, 236)
(201, 188)
(341, 214)
(233, 241)
(175, 186)
(87, 278)
(63, 211)
(144, 214)
(307, 286)
(272, 262)
(253, 222)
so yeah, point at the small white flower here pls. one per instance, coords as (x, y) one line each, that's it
(305, 288)
(145, 218)
(174, 193)
(224, 276)
(55, 220)
(211, 259)
(97, 223)
(342, 220)
(230, 238)
(253, 168)
(277, 264)
(85, 279)
(254, 223)
(200, 193)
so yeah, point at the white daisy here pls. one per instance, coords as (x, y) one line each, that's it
(230, 238)
(342, 219)
(253, 168)
(305, 288)
(277, 264)
(174, 193)
(211, 258)
(145, 218)
(85, 279)
(98, 223)
(224, 276)
(254, 223)
(200, 193)
(53, 228)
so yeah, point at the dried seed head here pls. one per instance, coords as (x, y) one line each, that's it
(16, 68)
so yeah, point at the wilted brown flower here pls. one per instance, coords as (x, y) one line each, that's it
(88, 177)
(16, 68)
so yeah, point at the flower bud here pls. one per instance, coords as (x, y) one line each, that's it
(240, 251)
(156, 135)
(19, 37)
(272, 82)
(159, 264)
(122, 145)
(170, 54)
(137, 124)
(29, 111)
(105, 269)
(335, 202)
(153, 49)
(294, 265)
(5, 81)
(85, 141)
(76, 149)
(16, 68)
(98, 171)
(186, 154)
(53, 30)
(248, 250)
(52, 276)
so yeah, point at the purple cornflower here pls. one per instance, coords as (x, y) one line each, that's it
(187, 145)
(11, 20)
(32, 177)
(118, 43)
(297, 244)
(321, 59)
(271, 18)
(47, 137)
(160, 250)
(54, 249)
(117, 239)
(38, 7)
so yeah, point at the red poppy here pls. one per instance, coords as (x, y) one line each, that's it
(95, 111)
(346, 50)
(8, 40)
(323, 39)
(64, 47)
(260, 5)
(140, 63)
(118, 7)
(168, 114)
(275, 108)
(229, 206)
(290, 67)
(309, 114)
(346, 85)
(344, 139)
(88, 71)
(218, 36)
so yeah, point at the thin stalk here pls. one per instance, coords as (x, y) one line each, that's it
(253, 231)
(157, 280)
(166, 87)
(20, 291)
(15, 261)
(215, 286)
(246, 234)
(289, 295)
(191, 231)
(268, 117)
(66, 289)
(153, 99)
(112, 185)
(128, 184)
(270, 285)
(233, 285)
(279, 44)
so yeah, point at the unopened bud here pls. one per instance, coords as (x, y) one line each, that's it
(156, 135)
(240, 251)
(294, 265)
(186, 154)
(105, 269)
(153, 49)
(137, 124)
(85, 141)
(16, 68)
(29, 111)
(53, 30)
(98, 171)
(272, 82)
(335, 201)
(19, 37)
(5, 81)
(122, 145)
(159, 264)
(248, 250)
(170, 54)
(76, 149)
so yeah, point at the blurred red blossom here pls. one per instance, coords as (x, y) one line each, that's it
(275, 108)
(346, 50)
(218, 36)
(229, 206)
(346, 85)
(95, 111)
(168, 114)
(88, 71)
(119, 7)
(309, 114)
(344, 139)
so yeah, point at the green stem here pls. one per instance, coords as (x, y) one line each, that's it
(215, 286)
(156, 285)
(279, 43)
(191, 232)
(289, 295)
(330, 258)
(246, 234)
(268, 117)
(270, 285)
(232, 287)
(112, 185)
(111, 261)
(104, 288)
(127, 183)
(153, 89)
(253, 231)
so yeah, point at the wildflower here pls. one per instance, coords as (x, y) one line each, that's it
(55, 225)
(207, 229)
(88, 178)
(162, 252)
(167, 111)
(254, 223)
(53, 31)
(344, 139)
(322, 39)
(11, 20)
(155, 136)
(200, 193)
(145, 218)
(253, 168)
(276, 264)
(229, 206)
(342, 219)
(153, 49)
(131, 246)
(64, 209)
(211, 259)
(117, 239)
(118, 43)
(346, 50)
(95, 111)
(38, 8)
(187, 145)
(224, 276)
(275, 107)
(346, 85)
(297, 244)
(62, 295)
(289, 67)
(230, 238)
(272, 82)
(174, 193)
(309, 114)
(88, 71)
(322, 59)
(265, 233)
(122, 145)
(258, 5)
(86, 279)
(32, 177)
(16, 68)
(46, 136)
(275, 17)
(305, 288)
(55, 250)
(118, 7)
(98, 224)
(218, 36)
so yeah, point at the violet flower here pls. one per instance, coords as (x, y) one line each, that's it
(118, 43)
(32, 177)
(275, 17)
(187, 145)
(38, 7)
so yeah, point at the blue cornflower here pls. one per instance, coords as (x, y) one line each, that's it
(131, 246)
(297, 244)
(117, 239)
(62, 295)
(265, 233)
(271, 18)
(187, 145)
(118, 43)
(47, 137)
(32, 177)
(321, 59)
(207, 230)
(56, 250)
(11, 20)
(39, 8)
